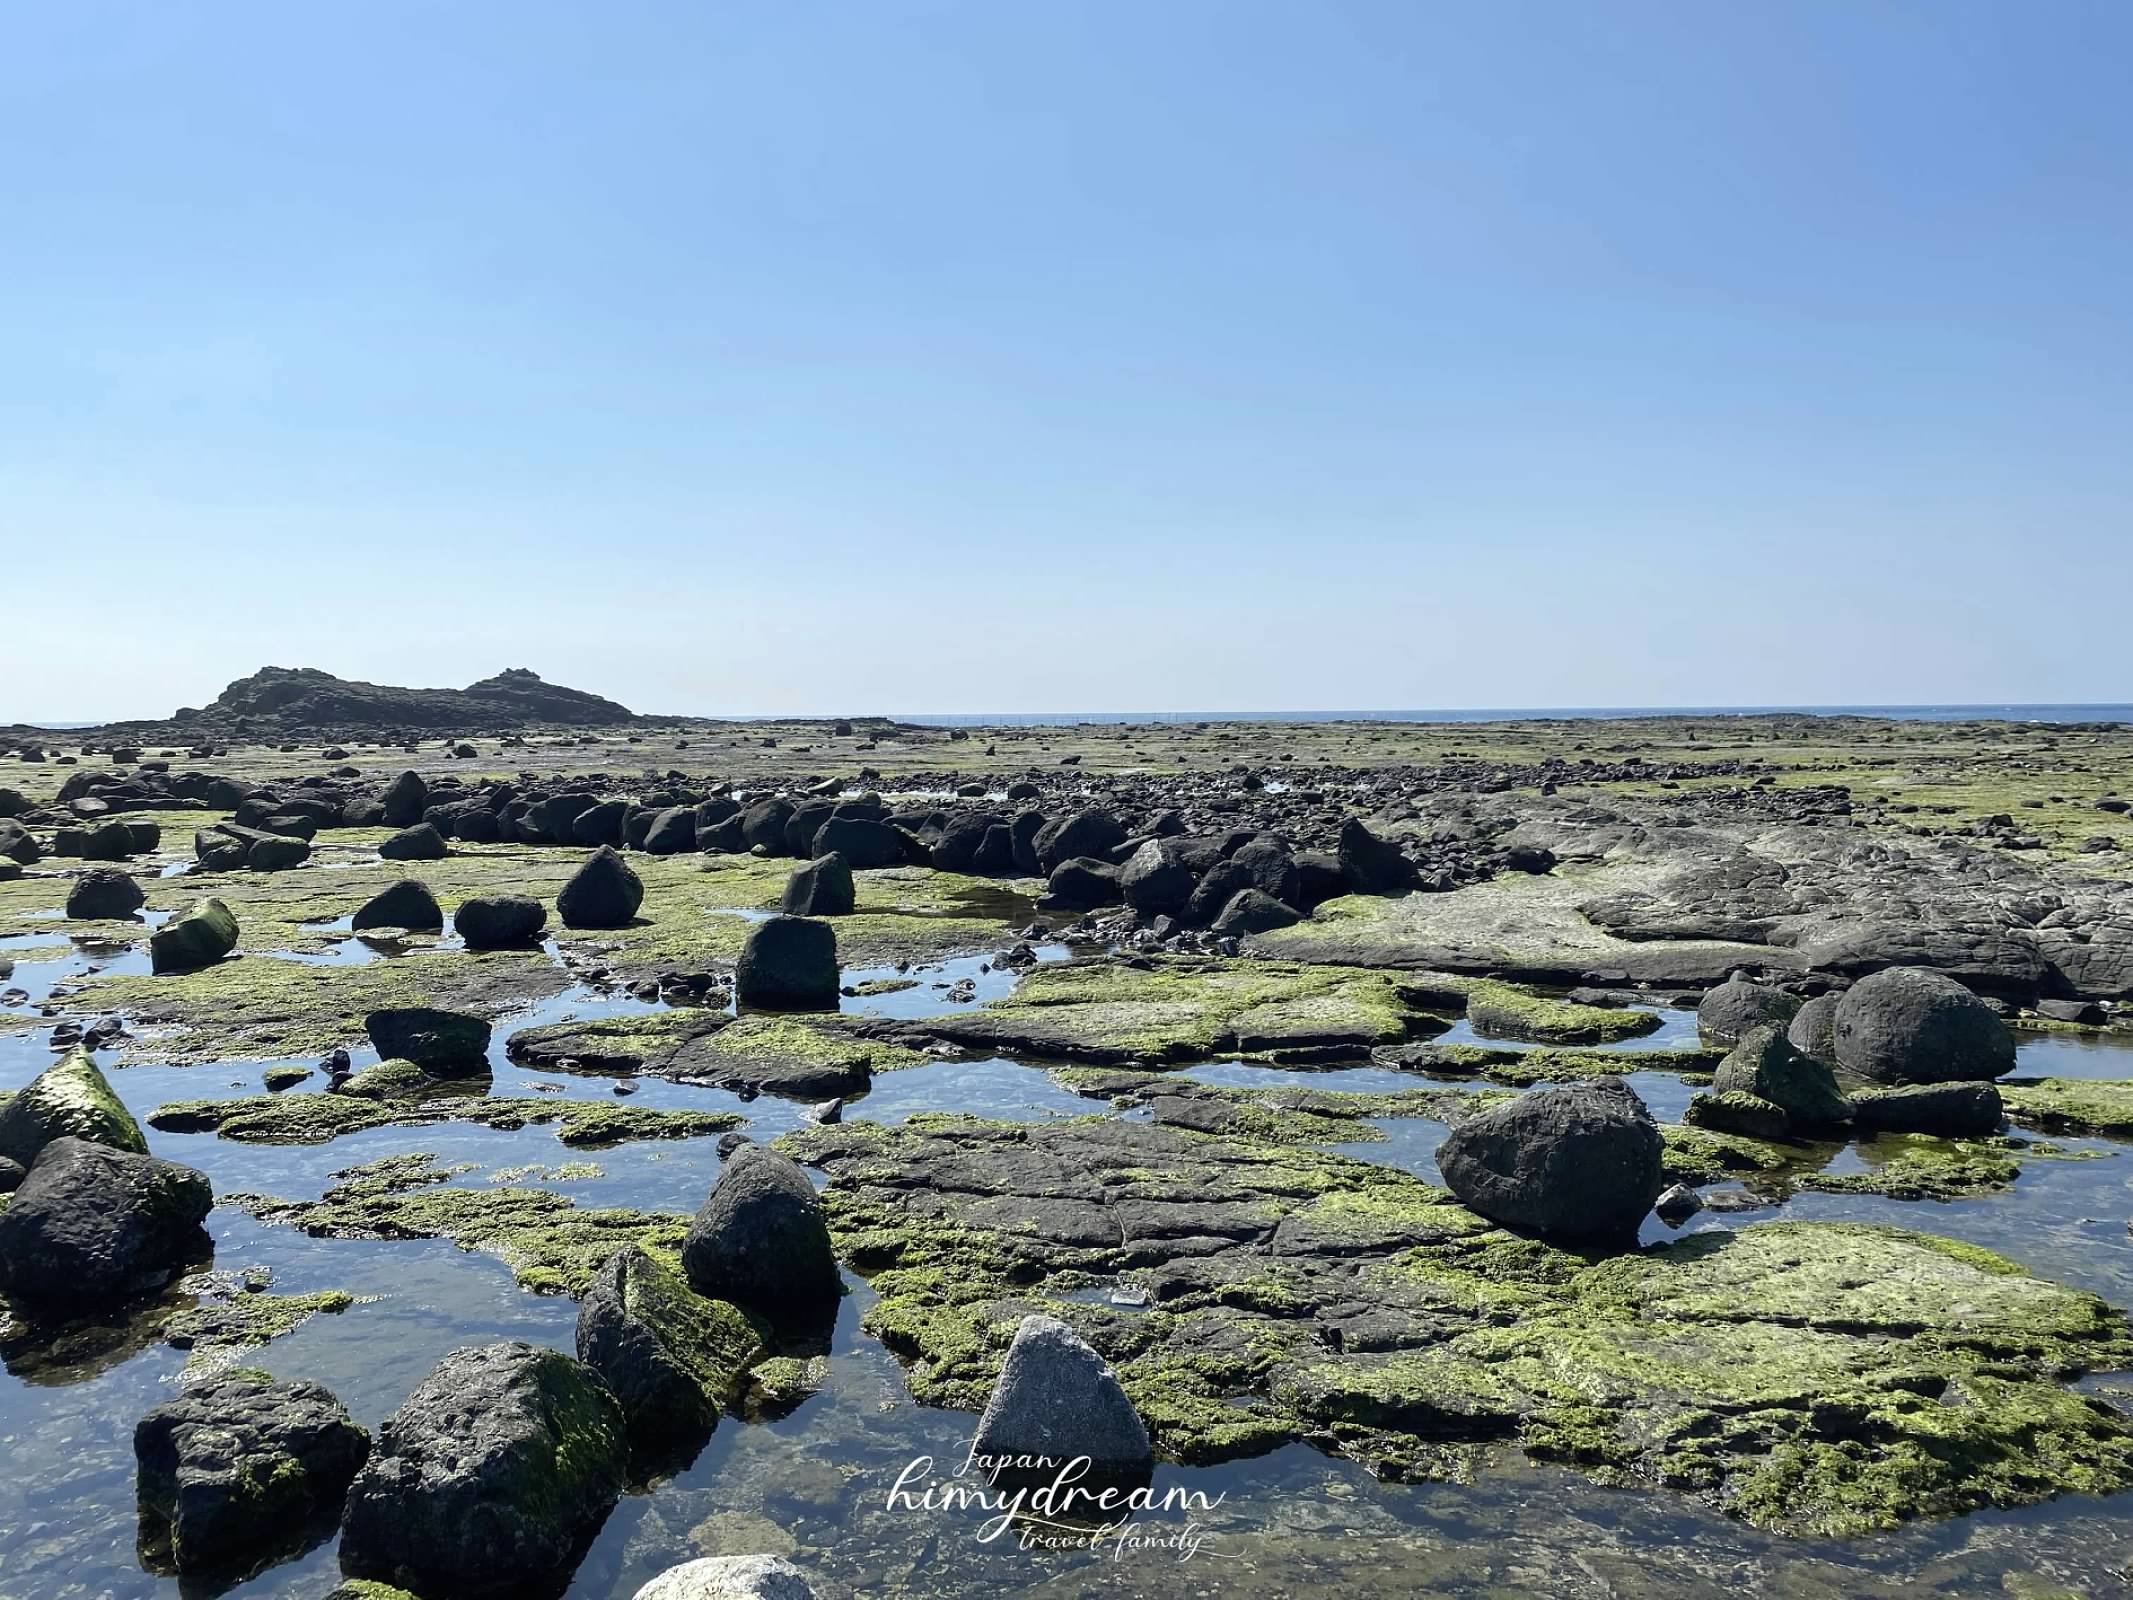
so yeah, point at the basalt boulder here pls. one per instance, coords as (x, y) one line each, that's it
(499, 921)
(1768, 1065)
(673, 1358)
(1056, 1402)
(604, 893)
(788, 963)
(760, 1240)
(1738, 1006)
(421, 842)
(491, 1478)
(1575, 1162)
(1088, 833)
(407, 904)
(1950, 1110)
(822, 888)
(71, 1099)
(1907, 1025)
(444, 1044)
(1371, 865)
(862, 842)
(104, 894)
(238, 1466)
(92, 1226)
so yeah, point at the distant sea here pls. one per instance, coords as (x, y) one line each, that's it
(2007, 713)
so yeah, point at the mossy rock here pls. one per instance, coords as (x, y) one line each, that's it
(2070, 1105)
(69, 1099)
(1506, 1011)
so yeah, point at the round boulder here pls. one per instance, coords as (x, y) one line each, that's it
(104, 894)
(1907, 1025)
(499, 921)
(603, 893)
(1736, 1007)
(422, 842)
(1580, 1161)
(760, 1240)
(92, 1226)
(407, 904)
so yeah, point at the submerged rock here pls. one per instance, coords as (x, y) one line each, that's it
(71, 1099)
(822, 888)
(1906, 1025)
(203, 936)
(730, 1578)
(788, 963)
(760, 1240)
(1580, 1161)
(442, 1043)
(1057, 1402)
(490, 1479)
(236, 1466)
(407, 904)
(92, 1226)
(603, 893)
(671, 1357)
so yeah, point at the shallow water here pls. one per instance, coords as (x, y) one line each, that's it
(815, 1484)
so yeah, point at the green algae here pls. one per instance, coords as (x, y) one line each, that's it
(2070, 1105)
(1507, 1011)
(319, 1118)
(551, 1245)
(1185, 1008)
(1814, 1377)
(70, 1099)
(215, 1327)
(1522, 1069)
(1283, 1115)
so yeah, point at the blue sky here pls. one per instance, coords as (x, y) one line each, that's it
(1029, 355)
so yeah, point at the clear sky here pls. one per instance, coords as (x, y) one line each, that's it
(1069, 354)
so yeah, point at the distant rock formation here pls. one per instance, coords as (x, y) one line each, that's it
(293, 698)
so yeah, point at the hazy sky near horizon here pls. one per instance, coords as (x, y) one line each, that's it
(1029, 355)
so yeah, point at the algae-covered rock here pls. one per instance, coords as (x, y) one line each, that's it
(200, 938)
(673, 1358)
(2071, 1105)
(491, 1477)
(1737, 1111)
(1767, 1065)
(1958, 1110)
(70, 1099)
(237, 1466)
(1505, 1011)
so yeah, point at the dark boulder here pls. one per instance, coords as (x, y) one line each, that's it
(1813, 1028)
(760, 1240)
(444, 1044)
(1254, 911)
(237, 1467)
(1158, 878)
(1951, 1110)
(600, 824)
(16, 844)
(404, 801)
(1370, 865)
(499, 921)
(104, 894)
(218, 851)
(672, 833)
(491, 1478)
(1579, 1161)
(1090, 833)
(1737, 1007)
(763, 825)
(788, 963)
(418, 843)
(1907, 1025)
(1056, 1402)
(822, 888)
(861, 842)
(200, 938)
(92, 1226)
(1082, 884)
(671, 1357)
(407, 904)
(961, 840)
(603, 893)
